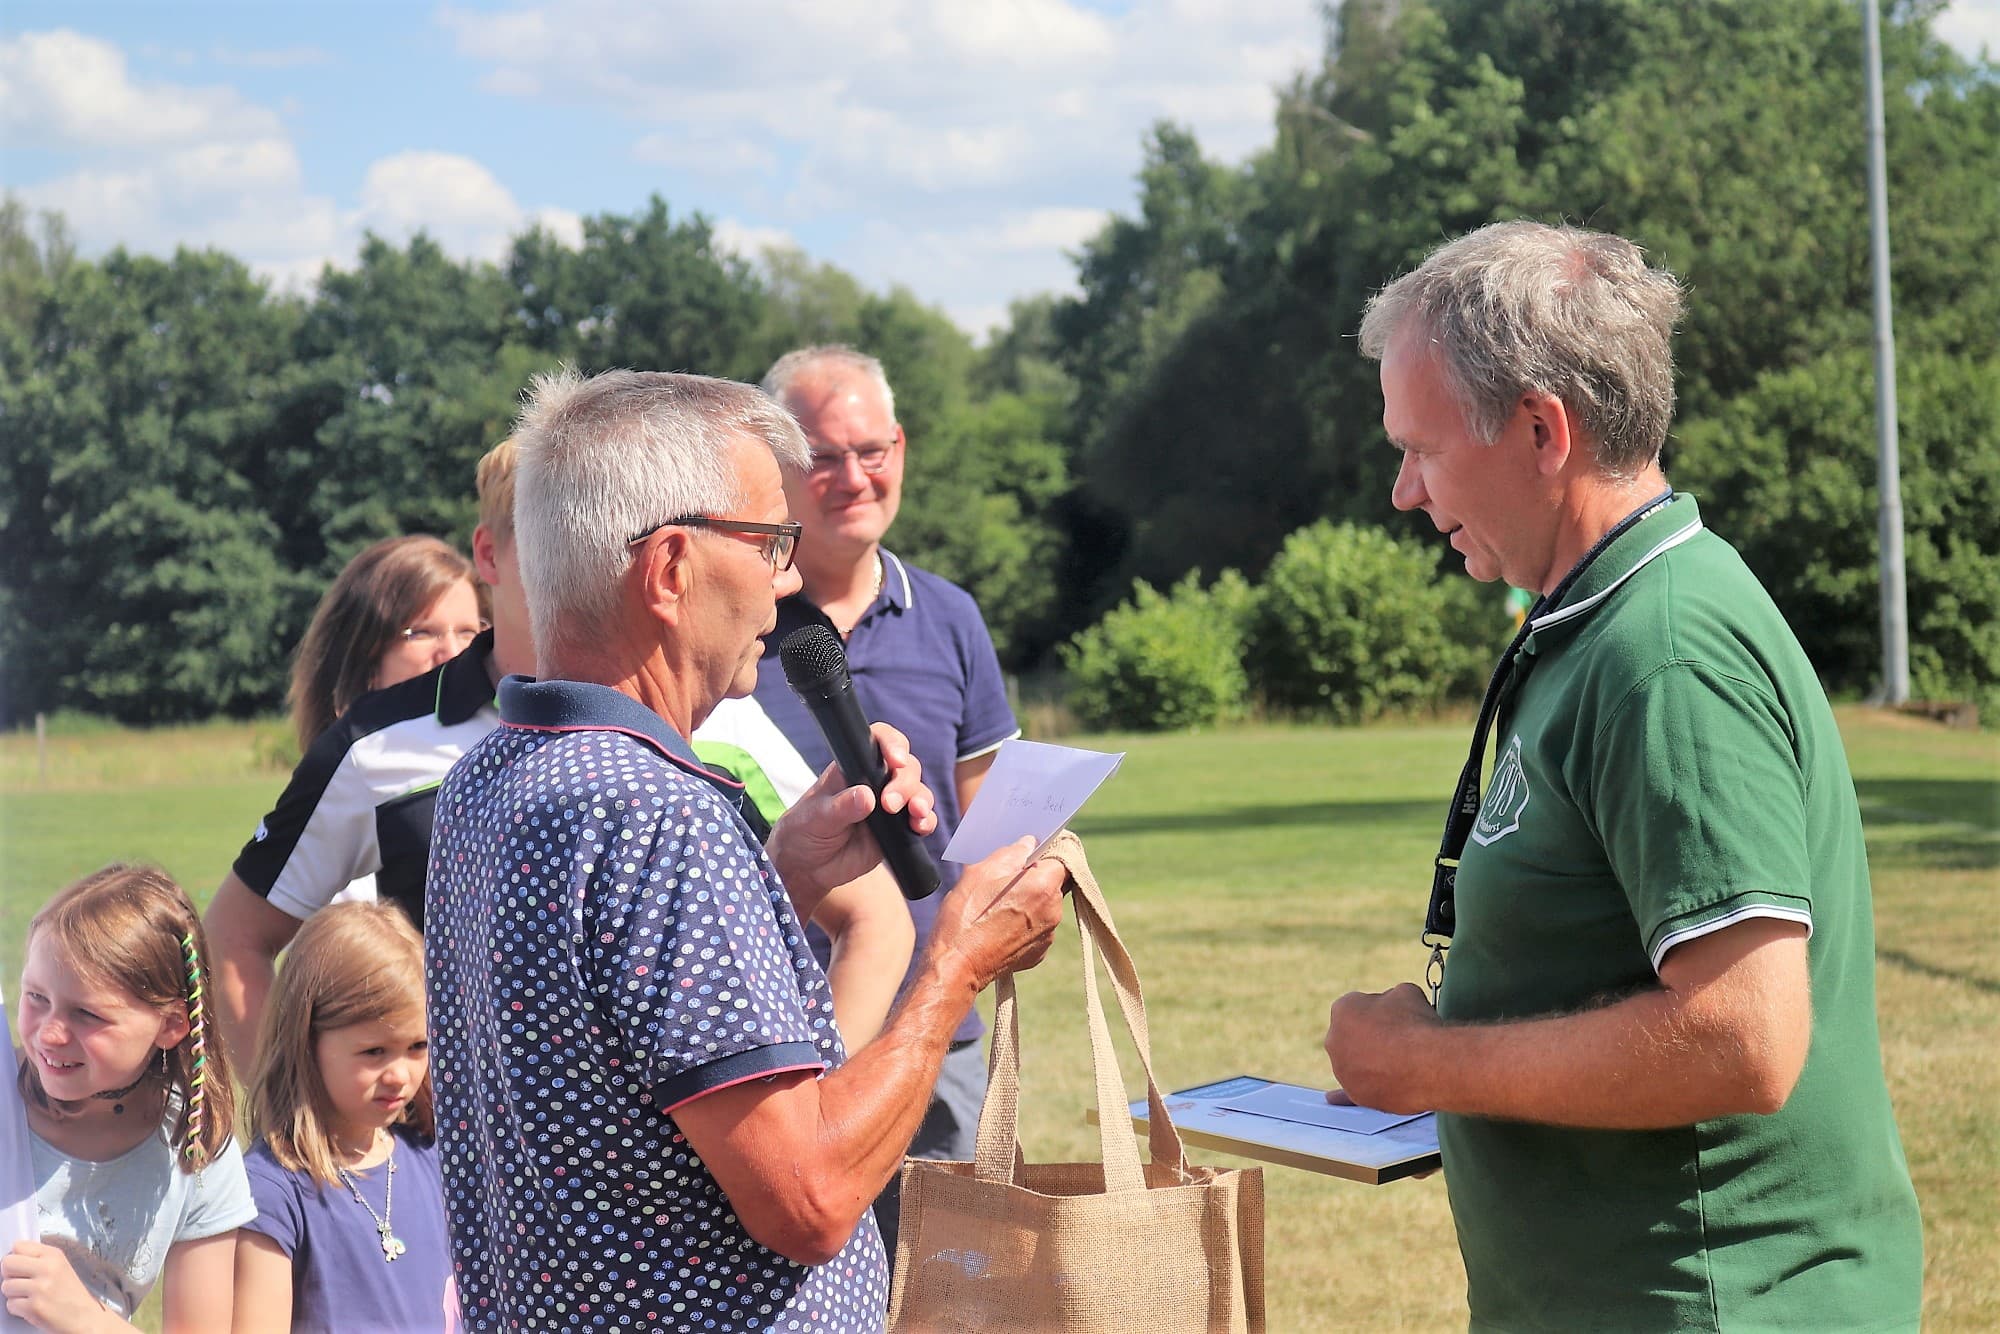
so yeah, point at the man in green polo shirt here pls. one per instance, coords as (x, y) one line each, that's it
(1654, 1051)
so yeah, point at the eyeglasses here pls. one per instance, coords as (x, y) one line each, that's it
(779, 540)
(430, 636)
(873, 458)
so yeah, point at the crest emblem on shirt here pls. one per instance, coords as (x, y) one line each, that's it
(1506, 797)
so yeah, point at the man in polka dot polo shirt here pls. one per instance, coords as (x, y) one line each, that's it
(647, 1116)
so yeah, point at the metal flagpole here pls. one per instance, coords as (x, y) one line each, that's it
(1888, 474)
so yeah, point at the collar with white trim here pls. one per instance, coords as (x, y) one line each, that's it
(896, 594)
(1674, 521)
(565, 706)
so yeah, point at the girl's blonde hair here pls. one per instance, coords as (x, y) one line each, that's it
(352, 963)
(133, 928)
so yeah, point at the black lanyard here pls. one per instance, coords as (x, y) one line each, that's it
(1440, 917)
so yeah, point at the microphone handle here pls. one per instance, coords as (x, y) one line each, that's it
(860, 761)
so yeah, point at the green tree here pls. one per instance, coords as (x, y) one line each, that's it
(806, 302)
(1792, 463)
(979, 507)
(134, 433)
(31, 256)
(402, 369)
(1221, 400)
(646, 291)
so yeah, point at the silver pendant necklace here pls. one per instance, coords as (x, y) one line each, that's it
(392, 1245)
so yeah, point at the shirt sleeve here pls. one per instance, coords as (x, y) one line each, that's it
(1701, 804)
(319, 837)
(220, 1201)
(276, 1194)
(987, 719)
(697, 959)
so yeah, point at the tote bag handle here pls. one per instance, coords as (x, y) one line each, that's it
(998, 1147)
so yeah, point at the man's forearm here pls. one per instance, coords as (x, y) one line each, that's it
(802, 1158)
(869, 925)
(801, 1155)
(1637, 1064)
(1725, 1034)
(871, 1107)
(242, 983)
(245, 936)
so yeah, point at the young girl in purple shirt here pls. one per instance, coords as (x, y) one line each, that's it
(350, 1230)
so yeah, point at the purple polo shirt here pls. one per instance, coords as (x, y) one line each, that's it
(923, 662)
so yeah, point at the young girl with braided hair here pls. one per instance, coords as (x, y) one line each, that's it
(131, 1114)
(350, 1226)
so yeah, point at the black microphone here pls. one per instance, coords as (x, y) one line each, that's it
(816, 669)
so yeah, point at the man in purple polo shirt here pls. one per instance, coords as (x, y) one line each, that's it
(646, 1117)
(919, 650)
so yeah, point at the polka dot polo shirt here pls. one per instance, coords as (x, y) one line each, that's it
(606, 940)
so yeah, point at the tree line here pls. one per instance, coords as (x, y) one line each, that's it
(187, 457)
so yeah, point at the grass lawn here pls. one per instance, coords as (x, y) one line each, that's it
(1256, 874)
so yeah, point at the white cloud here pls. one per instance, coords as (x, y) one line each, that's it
(931, 96)
(1970, 25)
(441, 190)
(1045, 228)
(457, 201)
(160, 165)
(957, 149)
(1020, 33)
(973, 272)
(62, 89)
(566, 225)
(750, 242)
(705, 153)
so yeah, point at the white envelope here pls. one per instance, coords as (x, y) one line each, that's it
(1033, 788)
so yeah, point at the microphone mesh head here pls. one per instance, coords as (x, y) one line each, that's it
(812, 656)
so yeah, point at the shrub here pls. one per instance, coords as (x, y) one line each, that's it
(1352, 623)
(1162, 661)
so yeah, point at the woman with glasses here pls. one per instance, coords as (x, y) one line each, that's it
(398, 609)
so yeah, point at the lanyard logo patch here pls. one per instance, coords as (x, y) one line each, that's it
(1506, 797)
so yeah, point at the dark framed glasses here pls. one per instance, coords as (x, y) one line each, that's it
(873, 458)
(779, 540)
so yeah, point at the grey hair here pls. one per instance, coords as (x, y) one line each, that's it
(605, 457)
(1524, 307)
(839, 356)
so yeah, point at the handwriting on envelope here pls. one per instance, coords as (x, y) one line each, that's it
(1033, 788)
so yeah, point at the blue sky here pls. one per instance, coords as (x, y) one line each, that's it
(957, 148)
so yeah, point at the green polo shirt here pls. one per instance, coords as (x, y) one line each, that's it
(1667, 765)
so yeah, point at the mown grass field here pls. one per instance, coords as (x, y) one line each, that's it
(1256, 874)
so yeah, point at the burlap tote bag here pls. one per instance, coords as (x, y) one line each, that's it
(1000, 1244)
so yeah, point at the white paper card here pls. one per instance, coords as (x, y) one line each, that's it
(1032, 788)
(1288, 1102)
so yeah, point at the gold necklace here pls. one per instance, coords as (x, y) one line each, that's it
(874, 591)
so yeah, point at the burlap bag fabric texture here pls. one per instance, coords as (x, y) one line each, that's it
(1002, 1244)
